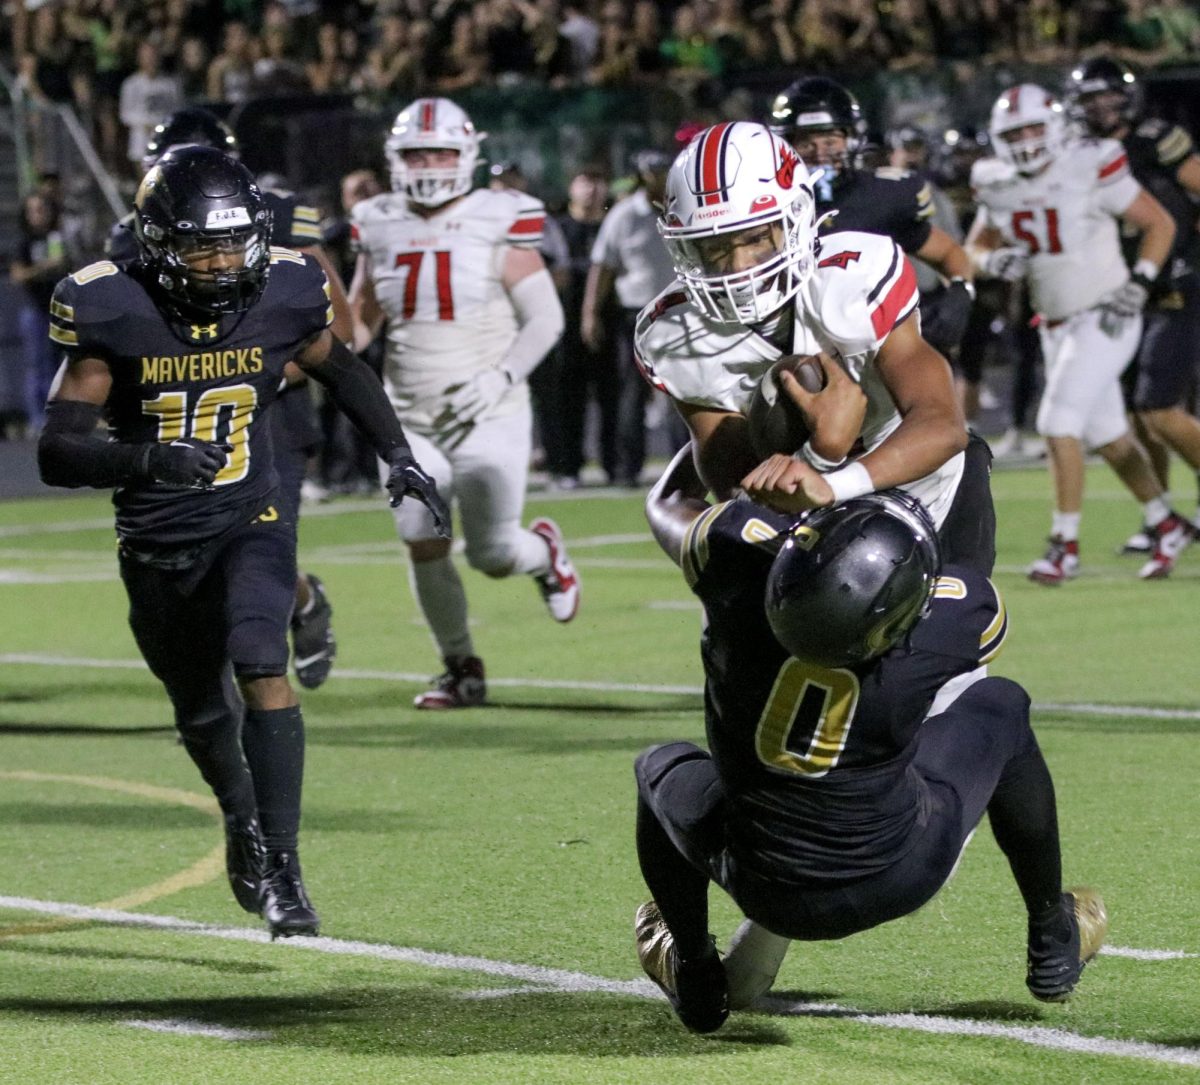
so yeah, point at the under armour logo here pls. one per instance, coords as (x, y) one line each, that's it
(204, 331)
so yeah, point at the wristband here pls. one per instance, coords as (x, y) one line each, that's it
(815, 460)
(1146, 269)
(851, 481)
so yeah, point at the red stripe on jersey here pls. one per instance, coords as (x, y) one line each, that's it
(1121, 160)
(648, 373)
(526, 227)
(903, 291)
(712, 164)
(427, 115)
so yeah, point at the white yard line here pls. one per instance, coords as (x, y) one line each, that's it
(37, 659)
(555, 979)
(187, 1027)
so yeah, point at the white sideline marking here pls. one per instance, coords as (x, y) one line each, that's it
(188, 1027)
(554, 979)
(38, 659)
(19, 576)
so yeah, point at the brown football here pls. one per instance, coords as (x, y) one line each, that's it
(776, 424)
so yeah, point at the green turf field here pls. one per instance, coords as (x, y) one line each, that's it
(475, 872)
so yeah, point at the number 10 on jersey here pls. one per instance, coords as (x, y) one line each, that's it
(219, 415)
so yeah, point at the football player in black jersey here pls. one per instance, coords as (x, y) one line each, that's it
(294, 426)
(182, 351)
(823, 121)
(855, 744)
(1105, 96)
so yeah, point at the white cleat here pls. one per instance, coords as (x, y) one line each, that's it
(559, 585)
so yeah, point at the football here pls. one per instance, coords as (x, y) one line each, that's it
(776, 424)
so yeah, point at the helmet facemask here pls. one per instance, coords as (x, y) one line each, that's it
(432, 124)
(1035, 121)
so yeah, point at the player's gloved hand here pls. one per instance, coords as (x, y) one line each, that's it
(186, 462)
(948, 313)
(1007, 263)
(407, 479)
(1130, 299)
(467, 401)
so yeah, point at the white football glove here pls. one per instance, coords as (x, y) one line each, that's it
(1127, 300)
(1007, 263)
(467, 401)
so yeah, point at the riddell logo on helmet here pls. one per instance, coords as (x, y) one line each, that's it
(712, 212)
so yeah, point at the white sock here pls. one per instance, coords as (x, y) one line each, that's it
(1066, 525)
(1156, 510)
(439, 593)
(531, 554)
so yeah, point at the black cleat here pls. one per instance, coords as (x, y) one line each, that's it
(1058, 953)
(286, 906)
(245, 859)
(698, 989)
(313, 643)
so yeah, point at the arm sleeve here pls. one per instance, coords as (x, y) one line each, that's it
(540, 322)
(359, 395)
(72, 454)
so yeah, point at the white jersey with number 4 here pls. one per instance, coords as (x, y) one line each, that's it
(862, 288)
(1065, 218)
(438, 281)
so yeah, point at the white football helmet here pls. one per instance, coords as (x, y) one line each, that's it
(1021, 106)
(734, 178)
(432, 124)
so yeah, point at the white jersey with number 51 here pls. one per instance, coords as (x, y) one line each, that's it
(1065, 219)
(438, 281)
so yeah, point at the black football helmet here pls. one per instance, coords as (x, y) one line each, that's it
(819, 104)
(851, 580)
(196, 206)
(1103, 95)
(191, 125)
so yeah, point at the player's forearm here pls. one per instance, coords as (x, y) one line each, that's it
(71, 454)
(1156, 242)
(360, 397)
(674, 501)
(540, 324)
(922, 443)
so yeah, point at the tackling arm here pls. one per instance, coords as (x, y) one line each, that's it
(674, 501)
(723, 452)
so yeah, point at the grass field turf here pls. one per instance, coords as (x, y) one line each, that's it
(505, 834)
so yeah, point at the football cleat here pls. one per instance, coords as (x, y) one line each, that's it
(697, 989)
(286, 906)
(1059, 563)
(245, 859)
(1057, 955)
(1140, 542)
(461, 686)
(312, 638)
(1170, 537)
(559, 585)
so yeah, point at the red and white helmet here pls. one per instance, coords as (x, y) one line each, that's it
(736, 177)
(1021, 106)
(432, 124)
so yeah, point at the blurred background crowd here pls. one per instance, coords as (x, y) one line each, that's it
(570, 92)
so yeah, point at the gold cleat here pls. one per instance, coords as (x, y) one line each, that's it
(1055, 964)
(697, 989)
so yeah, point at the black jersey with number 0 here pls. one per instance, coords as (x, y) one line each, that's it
(817, 761)
(887, 201)
(212, 380)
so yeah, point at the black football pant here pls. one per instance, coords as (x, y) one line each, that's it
(979, 755)
(968, 534)
(199, 628)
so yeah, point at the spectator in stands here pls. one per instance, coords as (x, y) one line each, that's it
(394, 65)
(147, 96)
(1160, 31)
(819, 33)
(688, 50)
(463, 63)
(630, 260)
(41, 260)
(582, 35)
(231, 74)
(277, 71)
(329, 72)
(193, 68)
(776, 19)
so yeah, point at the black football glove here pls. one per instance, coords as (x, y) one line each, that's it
(945, 314)
(407, 479)
(186, 462)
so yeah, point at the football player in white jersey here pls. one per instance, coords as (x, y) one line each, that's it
(470, 311)
(1049, 209)
(755, 283)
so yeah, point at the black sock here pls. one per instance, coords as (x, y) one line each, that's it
(215, 748)
(274, 743)
(1024, 820)
(678, 888)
